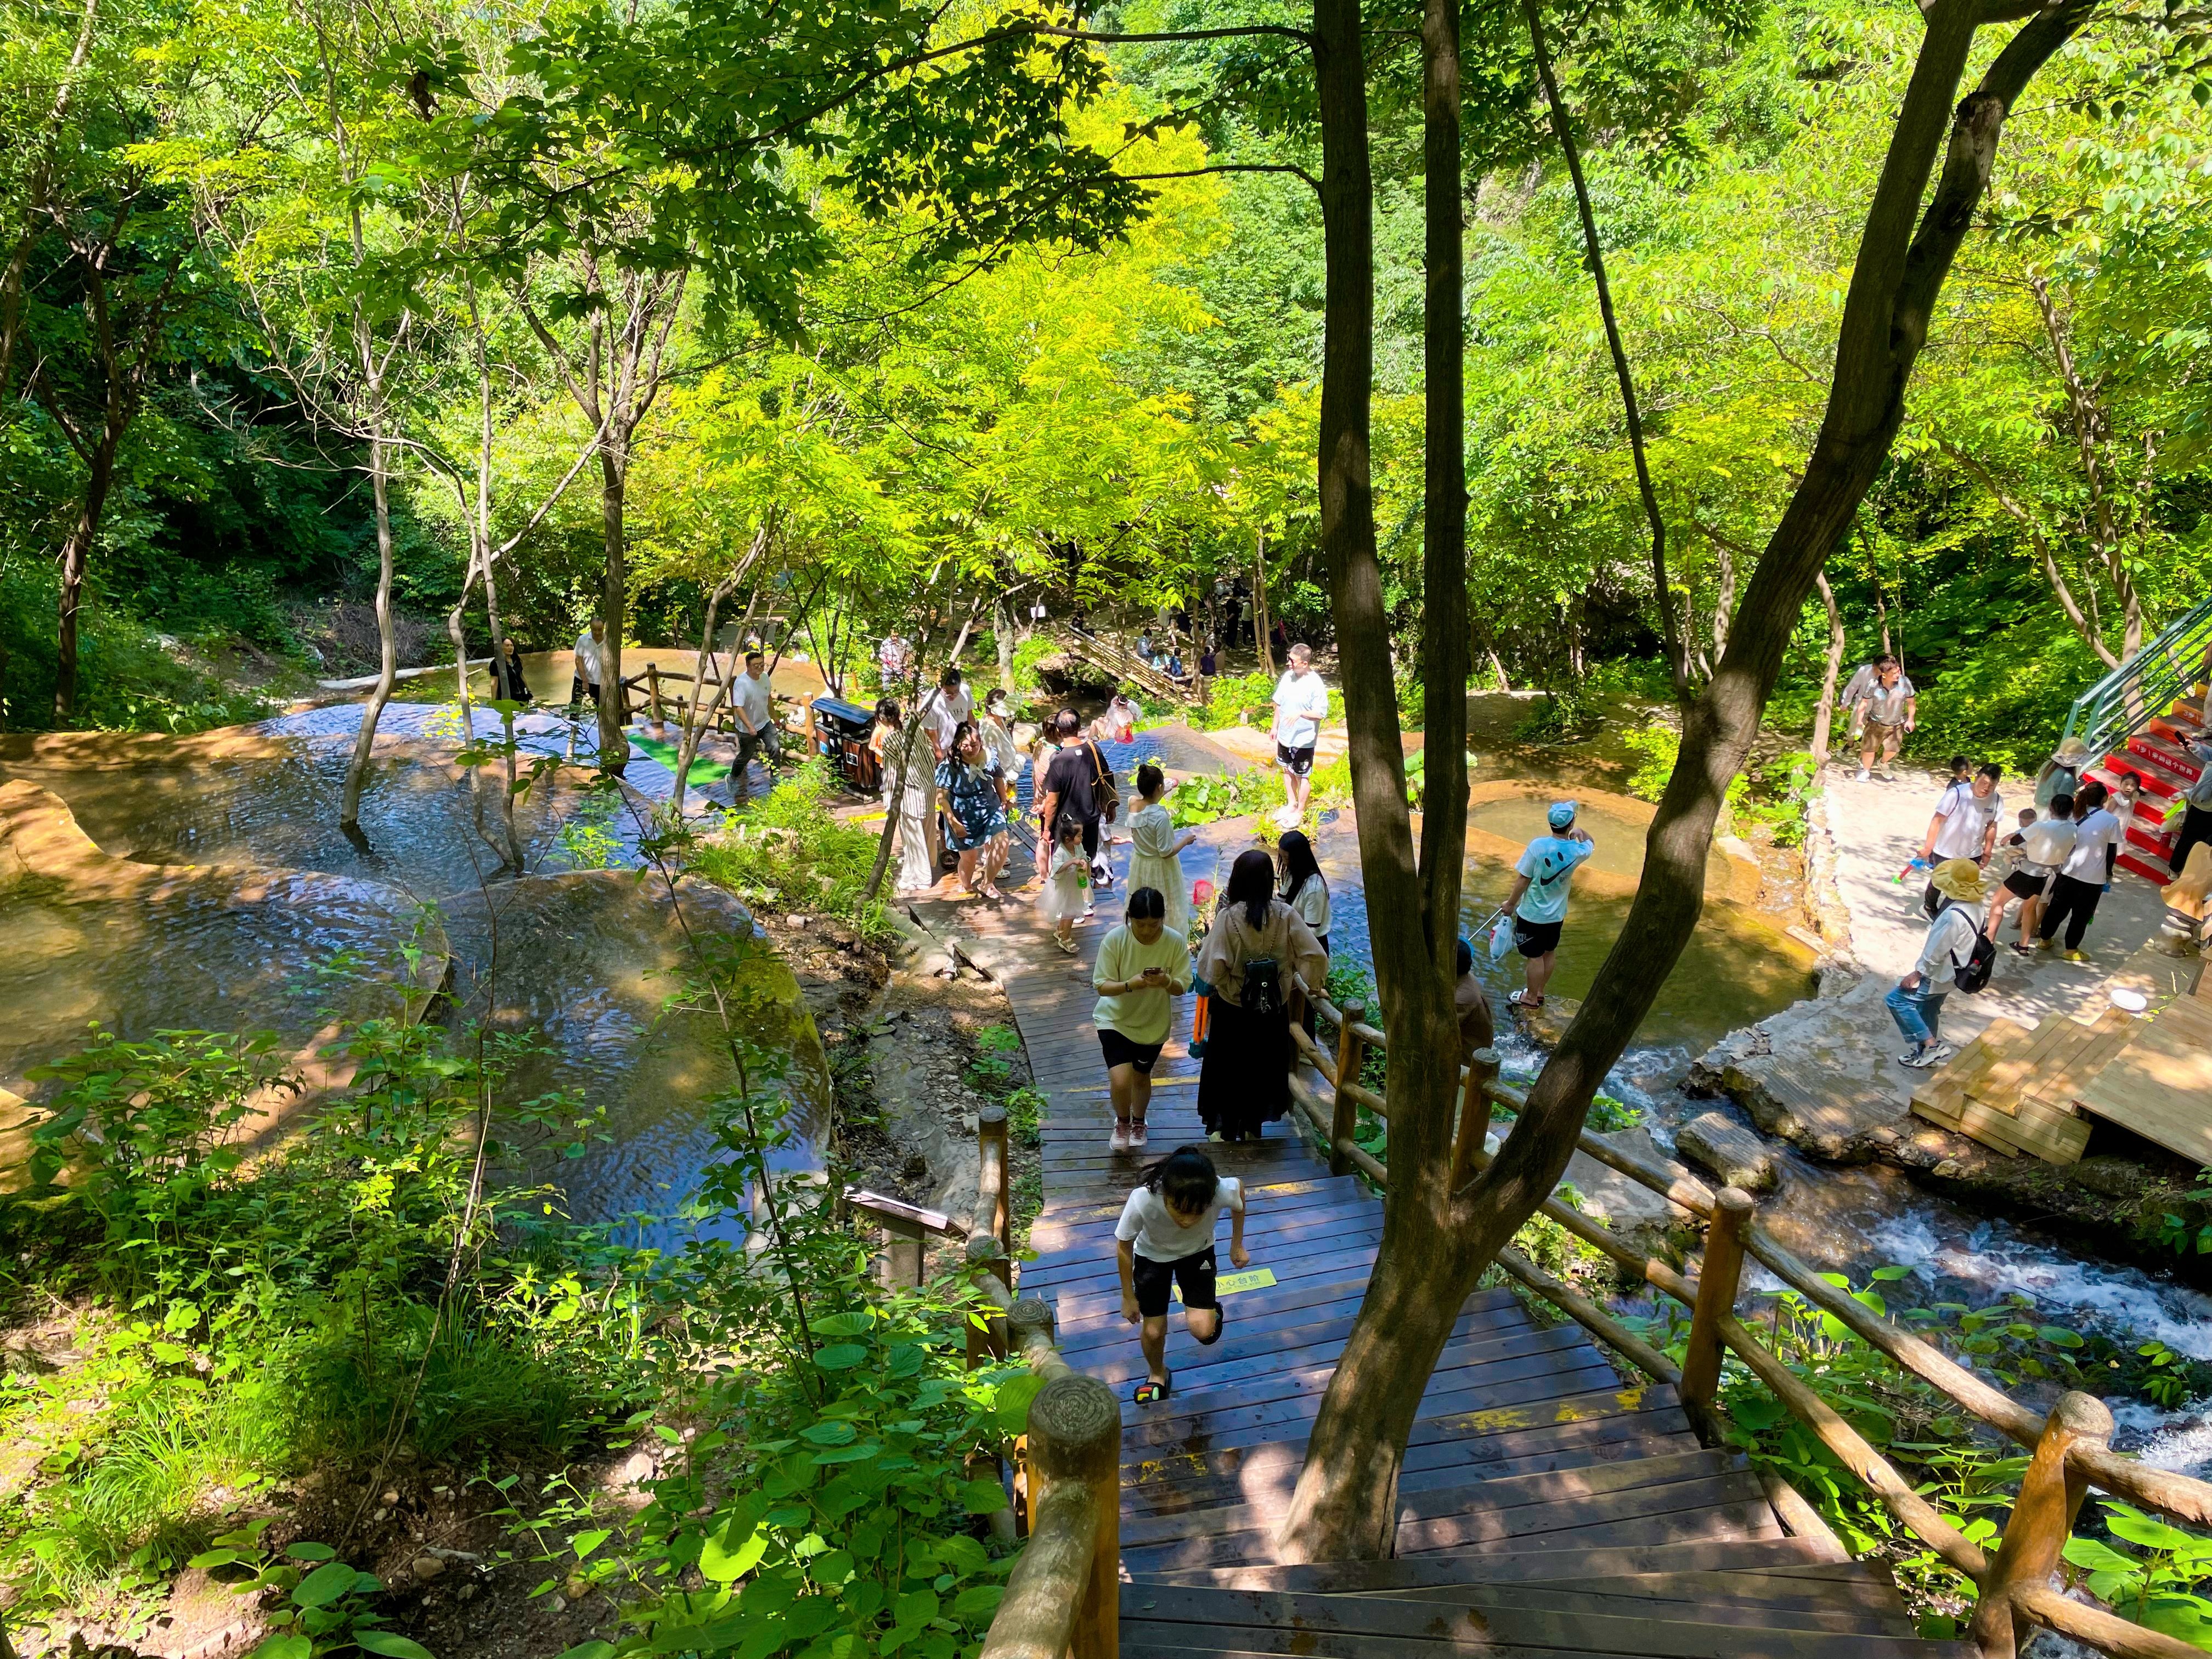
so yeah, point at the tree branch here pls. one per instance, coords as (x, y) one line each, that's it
(1677, 658)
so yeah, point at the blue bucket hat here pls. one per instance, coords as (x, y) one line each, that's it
(1561, 815)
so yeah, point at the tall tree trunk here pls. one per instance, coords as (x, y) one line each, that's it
(76, 551)
(1823, 712)
(1259, 603)
(614, 600)
(1432, 1252)
(1345, 1504)
(1002, 637)
(387, 670)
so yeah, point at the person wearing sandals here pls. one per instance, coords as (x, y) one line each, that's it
(1064, 897)
(1256, 953)
(1143, 965)
(971, 795)
(1539, 899)
(1165, 1238)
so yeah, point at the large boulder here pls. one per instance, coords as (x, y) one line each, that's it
(1736, 1156)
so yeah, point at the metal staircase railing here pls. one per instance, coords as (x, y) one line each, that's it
(2145, 686)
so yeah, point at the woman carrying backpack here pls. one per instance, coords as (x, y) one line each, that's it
(1957, 953)
(1255, 946)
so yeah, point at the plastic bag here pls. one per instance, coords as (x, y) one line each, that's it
(1501, 936)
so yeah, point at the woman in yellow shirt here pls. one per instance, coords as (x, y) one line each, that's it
(1143, 965)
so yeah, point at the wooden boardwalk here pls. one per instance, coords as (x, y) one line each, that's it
(1546, 1506)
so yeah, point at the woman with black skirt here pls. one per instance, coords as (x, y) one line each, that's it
(1255, 950)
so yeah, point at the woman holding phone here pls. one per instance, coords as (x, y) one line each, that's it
(1143, 965)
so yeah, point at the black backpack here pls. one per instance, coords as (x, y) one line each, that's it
(1974, 974)
(1263, 988)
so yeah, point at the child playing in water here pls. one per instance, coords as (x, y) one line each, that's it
(1065, 892)
(1165, 1235)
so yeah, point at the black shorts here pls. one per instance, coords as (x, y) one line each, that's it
(1193, 1273)
(2020, 884)
(1297, 762)
(1534, 938)
(1120, 1051)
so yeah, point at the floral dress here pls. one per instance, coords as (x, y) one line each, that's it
(976, 801)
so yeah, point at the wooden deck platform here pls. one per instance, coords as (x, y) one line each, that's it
(2033, 1091)
(1548, 1504)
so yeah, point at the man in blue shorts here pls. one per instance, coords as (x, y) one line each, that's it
(1538, 900)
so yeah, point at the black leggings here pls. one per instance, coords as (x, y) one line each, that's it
(2073, 901)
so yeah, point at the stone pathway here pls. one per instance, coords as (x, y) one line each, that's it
(1823, 1073)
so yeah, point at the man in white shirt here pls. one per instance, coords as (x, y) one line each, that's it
(943, 712)
(1964, 825)
(590, 659)
(1917, 1003)
(1301, 705)
(1881, 707)
(2082, 880)
(753, 709)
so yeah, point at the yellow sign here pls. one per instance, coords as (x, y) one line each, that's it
(1258, 1279)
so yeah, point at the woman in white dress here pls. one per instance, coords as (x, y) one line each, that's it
(902, 743)
(1155, 848)
(996, 725)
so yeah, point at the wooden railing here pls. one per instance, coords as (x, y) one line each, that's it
(1116, 659)
(1064, 1596)
(2069, 1443)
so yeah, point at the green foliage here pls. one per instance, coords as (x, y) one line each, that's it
(2162, 1587)
(2181, 1234)
(351, 1291)
(1608, 1115)
(1207, 797)
(1234, 700)
(315, 1603)
(789, 853)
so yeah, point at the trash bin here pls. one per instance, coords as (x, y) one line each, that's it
(840, 737)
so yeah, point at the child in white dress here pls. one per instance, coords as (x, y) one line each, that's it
(1156, 849)
(1065, 892)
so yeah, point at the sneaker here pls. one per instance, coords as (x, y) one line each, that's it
(1937, 1054)
(2075, 956)
(1863, 775)
(1119, 1141)
(1136, 1135)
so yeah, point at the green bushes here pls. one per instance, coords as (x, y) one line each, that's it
(242, 1322)
(1233, 697)
(789, 853)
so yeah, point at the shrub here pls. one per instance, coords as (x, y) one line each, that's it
(790, 853)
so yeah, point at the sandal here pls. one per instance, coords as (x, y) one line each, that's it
(1523, 1000)
(1149, 1393)
(1066, 944)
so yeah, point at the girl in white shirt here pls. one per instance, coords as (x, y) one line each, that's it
(2079, 883)
(1164, 1238)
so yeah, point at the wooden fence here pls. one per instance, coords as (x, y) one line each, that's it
(1064, 1596)
(2068, 1443)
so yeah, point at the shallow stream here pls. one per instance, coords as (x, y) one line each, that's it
(232, 891)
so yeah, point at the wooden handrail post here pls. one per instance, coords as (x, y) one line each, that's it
(1719, 1280)
(653, 682)
(991, 1145)
(1482, 1067)
(1344, 1118)
(2051, 1496)
(1075, 1441)
(987, 1342)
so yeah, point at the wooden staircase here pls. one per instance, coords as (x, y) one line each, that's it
(1548, 1504)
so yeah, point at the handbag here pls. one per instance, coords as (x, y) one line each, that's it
(1103, 795)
